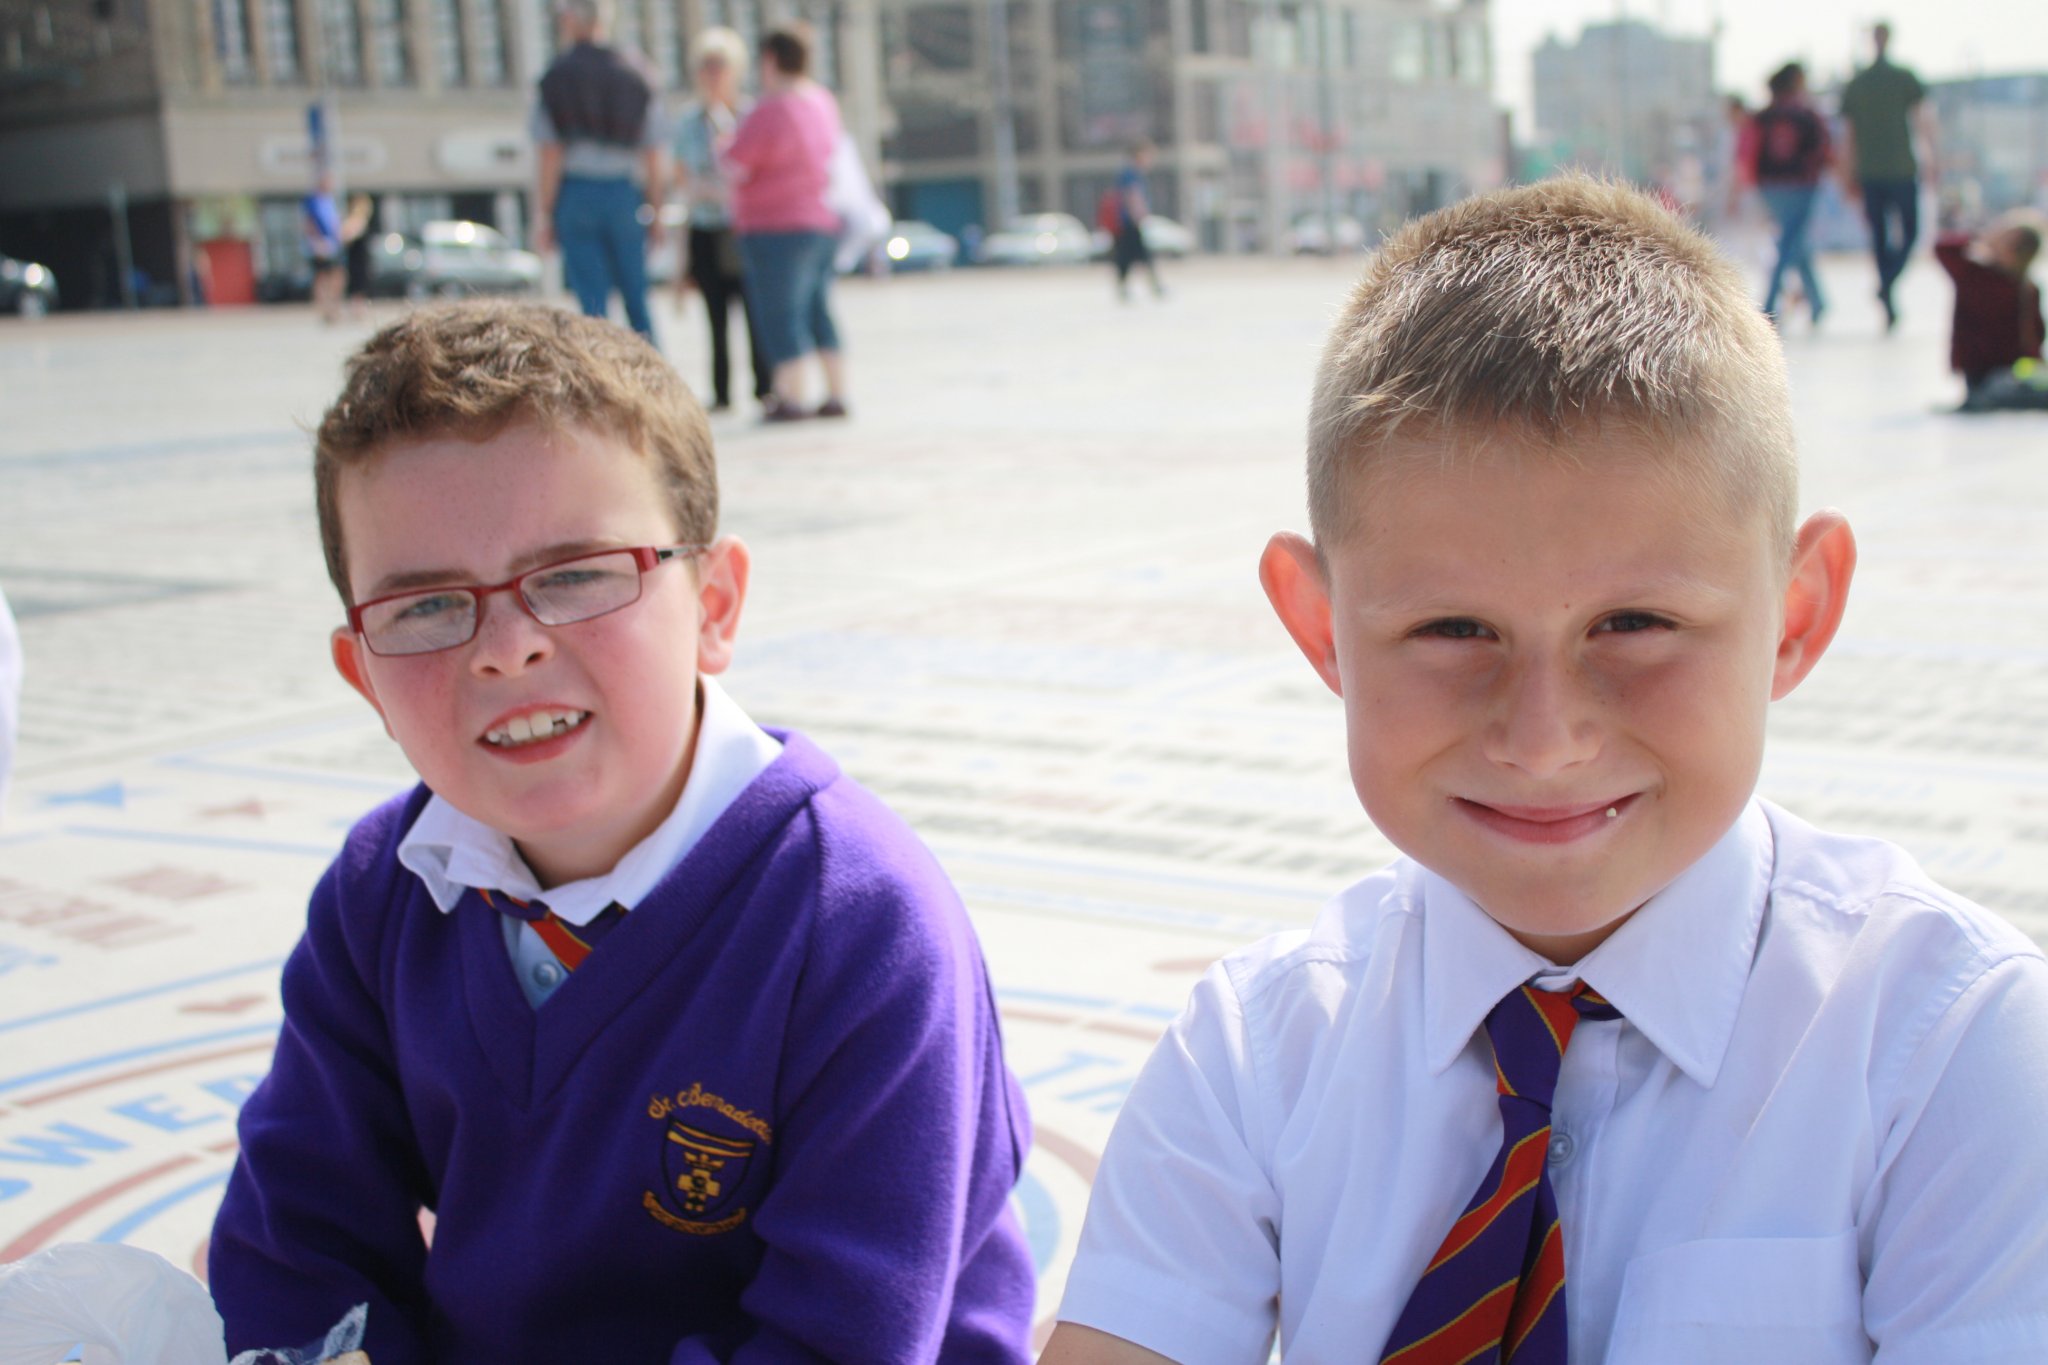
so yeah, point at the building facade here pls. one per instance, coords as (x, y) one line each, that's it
(1993, 132)
(1627, 99)
(150, 149)
(1263, 111)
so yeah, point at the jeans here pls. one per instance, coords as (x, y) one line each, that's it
(789, 282)
(1791, 206)
(604, 247)
(1892, 208)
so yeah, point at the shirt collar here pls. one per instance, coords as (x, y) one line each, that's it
(1676, 970)
(450, 852)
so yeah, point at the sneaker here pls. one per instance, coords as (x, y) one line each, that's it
(831, 407)
(773, 409)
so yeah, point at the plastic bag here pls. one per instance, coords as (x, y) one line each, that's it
(863, 218)
(132, 1307)
(129, 1307)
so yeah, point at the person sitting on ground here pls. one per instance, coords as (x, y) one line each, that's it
(682, 1038)
(1618, 1062)
(1997, 324)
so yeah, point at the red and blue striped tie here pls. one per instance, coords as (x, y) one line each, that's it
(1494, 1292)
(569, 943)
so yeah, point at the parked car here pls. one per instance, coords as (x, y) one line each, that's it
(1038, 239)
(1312, 236)
(914, 245)
(26, 288)
(450, 257)
(1164, 236)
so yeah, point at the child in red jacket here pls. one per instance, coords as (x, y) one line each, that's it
(1998, 310)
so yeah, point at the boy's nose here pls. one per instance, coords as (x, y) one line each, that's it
(1544, 723)
(508, 640)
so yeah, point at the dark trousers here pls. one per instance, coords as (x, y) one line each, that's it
(714, 267)
(1129, 251)
(1892, 208)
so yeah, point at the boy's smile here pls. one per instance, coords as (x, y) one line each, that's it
(574, 740)
(1555, 670)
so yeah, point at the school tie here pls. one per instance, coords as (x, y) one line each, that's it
(1494, 1292)
(570, 943)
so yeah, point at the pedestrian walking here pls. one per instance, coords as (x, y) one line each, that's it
(713, 247)
(355, 246)
(1787, 150)
(1882, 106)
(781, 159)
(1133, 206)
(320, 220)
(600, 139)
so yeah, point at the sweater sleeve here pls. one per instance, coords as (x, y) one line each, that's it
(322, 1210)
(888, 1234)
(754, 140)
(1949, 249)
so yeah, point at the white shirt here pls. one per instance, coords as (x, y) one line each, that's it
(450, 852)
(1819, 1134)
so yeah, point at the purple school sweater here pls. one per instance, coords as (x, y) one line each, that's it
(767, 1120)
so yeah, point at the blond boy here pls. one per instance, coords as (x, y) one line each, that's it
(1619, 1063)
(682, 1038)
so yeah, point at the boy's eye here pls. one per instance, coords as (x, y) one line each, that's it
(570, 579)
(432, 605)
(1631, 622)
(1453, 628)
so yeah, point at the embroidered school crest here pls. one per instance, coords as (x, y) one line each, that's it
(707, 1144)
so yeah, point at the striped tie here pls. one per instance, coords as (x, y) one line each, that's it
(569, 943)
(1493, 1294)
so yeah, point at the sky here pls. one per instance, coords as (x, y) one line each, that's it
(1937, 38)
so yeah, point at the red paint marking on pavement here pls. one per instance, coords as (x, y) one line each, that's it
(1064, 1148)
(234, 1004)
(252, 808)
(46, 1231)
(152, 1069)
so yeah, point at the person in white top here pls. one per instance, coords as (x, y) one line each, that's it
(1556, 580)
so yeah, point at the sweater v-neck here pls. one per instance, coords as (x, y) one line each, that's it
(533, 1051)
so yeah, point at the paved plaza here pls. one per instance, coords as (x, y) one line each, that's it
(1015, 595)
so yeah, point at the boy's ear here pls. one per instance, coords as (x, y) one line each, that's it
(1823, 561)
(349, 657)
(1293, 578)
(721, 592)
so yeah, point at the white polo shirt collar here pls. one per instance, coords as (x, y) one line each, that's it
(1676, 970)
(451, 852)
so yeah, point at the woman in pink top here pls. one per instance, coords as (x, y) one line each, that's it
(780, 158)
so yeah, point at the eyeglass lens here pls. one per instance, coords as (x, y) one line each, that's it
(558, 594)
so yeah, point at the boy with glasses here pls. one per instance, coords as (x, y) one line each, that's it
(683, 1040)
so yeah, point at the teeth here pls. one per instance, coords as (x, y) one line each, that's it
(534, 726)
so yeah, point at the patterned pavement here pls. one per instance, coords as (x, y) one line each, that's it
(1015, 595)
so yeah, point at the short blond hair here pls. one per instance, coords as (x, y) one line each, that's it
(722, 43)
(470, 370)
(1554, 311)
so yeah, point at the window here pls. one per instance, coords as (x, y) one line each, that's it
(341, 42)
(451, 60)
(231, 40)
(664, 42)
(491, 66)
(941, 37)
(626, 26)
(390, 56)
(281, 21)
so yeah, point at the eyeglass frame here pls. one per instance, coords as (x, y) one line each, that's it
(645, 559)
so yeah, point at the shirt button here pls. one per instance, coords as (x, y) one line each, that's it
(547, 975)
(1561, 1148)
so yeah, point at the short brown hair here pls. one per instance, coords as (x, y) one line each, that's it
(789, 47)
(470, 370)
(1548, 311)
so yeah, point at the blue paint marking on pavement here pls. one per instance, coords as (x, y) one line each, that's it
(163, 836)
(129, 1055)
(127, 1226)
(1040, 1217)
(1086, 1002)
(112, 794)
(268, 964)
